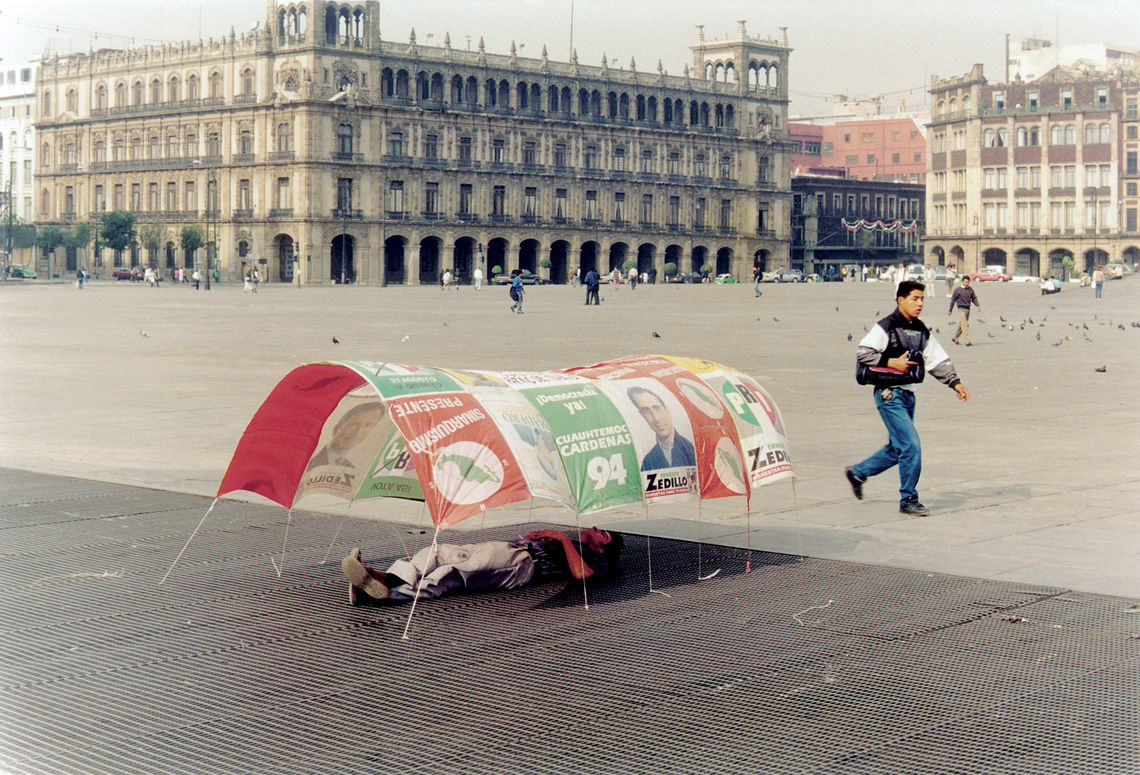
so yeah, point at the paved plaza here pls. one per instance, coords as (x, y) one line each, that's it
(1033, 480)
(1001, 634)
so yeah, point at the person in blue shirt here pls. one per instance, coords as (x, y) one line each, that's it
(672, 449)
(516, 291)
(592, 282)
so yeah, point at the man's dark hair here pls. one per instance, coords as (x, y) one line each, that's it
(906, 286)
(613, 549)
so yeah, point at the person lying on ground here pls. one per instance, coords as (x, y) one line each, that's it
(538, 557)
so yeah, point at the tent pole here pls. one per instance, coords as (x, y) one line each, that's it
(649, 553)
(188, 540)
(748, 531)
(796, 511)
(284, 543)
(578, 524)
(332, 543)
(420, 585)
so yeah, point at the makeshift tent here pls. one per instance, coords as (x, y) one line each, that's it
(645, 428)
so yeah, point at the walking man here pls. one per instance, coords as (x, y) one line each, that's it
(961, 300)
(517, 291)
(896, 353)
(592, 282)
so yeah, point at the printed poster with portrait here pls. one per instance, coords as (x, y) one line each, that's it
(349, 442)
(592, 438)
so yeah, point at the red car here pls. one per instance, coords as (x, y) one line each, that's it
(990, 274)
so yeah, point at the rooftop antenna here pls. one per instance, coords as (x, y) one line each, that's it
(571, 26)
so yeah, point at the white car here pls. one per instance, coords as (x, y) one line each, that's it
(1024, 278)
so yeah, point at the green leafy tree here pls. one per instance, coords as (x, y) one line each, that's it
(192, 239)
(1068, 264)
(118, 229)
(629, 264)
(546, 263)
(150, 237)
(670, 269)
(496, 270)
(23, 234)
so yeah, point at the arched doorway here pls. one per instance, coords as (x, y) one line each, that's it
(1057, 260)
(698, 258)
(464, 260)
(497, 254)
(1094, 258)
(588, 256)
(560, 261)
(341, 267)
(996, 257)
(528, 255)
(394, 248)
(646, 253)
(430, 248)
(1027, 261)
(673, 255)
(937, 256)
(618, 253)
(1130, 255)
(724, 261)
(958, 259)
(283, 256)
(171, 256)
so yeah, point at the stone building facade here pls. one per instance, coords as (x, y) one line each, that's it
(332, 156)
(1034, 175)
(17, 151)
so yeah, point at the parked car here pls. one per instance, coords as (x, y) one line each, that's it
(1024, 278)
(21, 272)
(790, 276)
(725, 279)
(528, 278)
(123, 274)
(990, 274)
(813, 278)
(1116, 270)
(939, 274)
(771, 276)
(916, 272)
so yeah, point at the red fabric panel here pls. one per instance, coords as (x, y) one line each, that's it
(276, 446)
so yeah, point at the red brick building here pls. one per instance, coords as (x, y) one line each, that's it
(891, 149)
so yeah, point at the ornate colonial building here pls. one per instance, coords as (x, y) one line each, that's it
(336, 156)
(1030, 174)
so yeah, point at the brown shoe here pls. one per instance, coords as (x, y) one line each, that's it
(361, 578)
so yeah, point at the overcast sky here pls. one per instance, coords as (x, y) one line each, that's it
(853, 47)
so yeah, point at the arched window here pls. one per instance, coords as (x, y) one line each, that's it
(953, 105)
(989, 138)
(966, 104)
(215, 86)
(1105, 133)
(46, 109)
(137, 93)
(101, 97)
(1057, 135)
(1002, 137)
(245, 142)
(155, 91)
(284, 138)
(120, 95)
(193, 91)
(1070, 135)
(174, 90)
(72, 100)
(247, 83)
(1035, 136)
(1022, 136)
(941, 106)
(344, 139)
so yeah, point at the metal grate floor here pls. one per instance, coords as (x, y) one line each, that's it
(804, 666)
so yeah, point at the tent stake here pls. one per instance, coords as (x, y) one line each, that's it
(188, 540)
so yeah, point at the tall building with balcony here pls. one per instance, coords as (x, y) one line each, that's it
(17, 147)
(1033, 175)
(333, 155)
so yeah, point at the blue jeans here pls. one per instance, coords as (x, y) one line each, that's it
(1097, 287)
(903, 447)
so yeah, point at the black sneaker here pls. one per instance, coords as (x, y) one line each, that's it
(913, 508)
(856, 483)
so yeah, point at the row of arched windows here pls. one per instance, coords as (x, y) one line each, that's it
(500, 93)
(140, 94)
(1058, 135)
(760, 74)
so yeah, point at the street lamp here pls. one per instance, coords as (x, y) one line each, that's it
(1094, 255)
(977, 244)
(213, 203)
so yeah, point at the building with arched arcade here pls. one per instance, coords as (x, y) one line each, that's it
(1035, 176)
(331, 155)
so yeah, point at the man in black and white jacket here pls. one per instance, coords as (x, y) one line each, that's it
(896, 353)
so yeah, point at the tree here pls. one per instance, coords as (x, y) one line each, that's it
(81, 236)
(118, 229)
(629, 264)
(48, 239)
(670, 269)
(23, 234)
(150, 237)
(192, 239)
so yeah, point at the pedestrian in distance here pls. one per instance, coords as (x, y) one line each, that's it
(477, 276)
(592, 283)
(896, 353)
(196, 277)
(1098, 281)
(757, 276)
(950, 281)
(517, 290)
(961, 300)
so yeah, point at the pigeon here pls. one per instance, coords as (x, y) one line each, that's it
(656, 335)
(836, 307)
(775, 318)
(1002, 319)
(335, 340)
(1135, 324)
(144, 334)
(876, 313)
(990, 335)
(1121, 327)
(1101, 369)
(1058, 343)
(1038, 336)
(1031, 322)
(849, 337)
(406, 338)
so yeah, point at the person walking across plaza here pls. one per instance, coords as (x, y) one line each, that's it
(961, 300)
(1098, 281)
(517, 291)
(592, 283)
(895, 354)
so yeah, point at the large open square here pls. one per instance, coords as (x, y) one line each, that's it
(998, 634)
